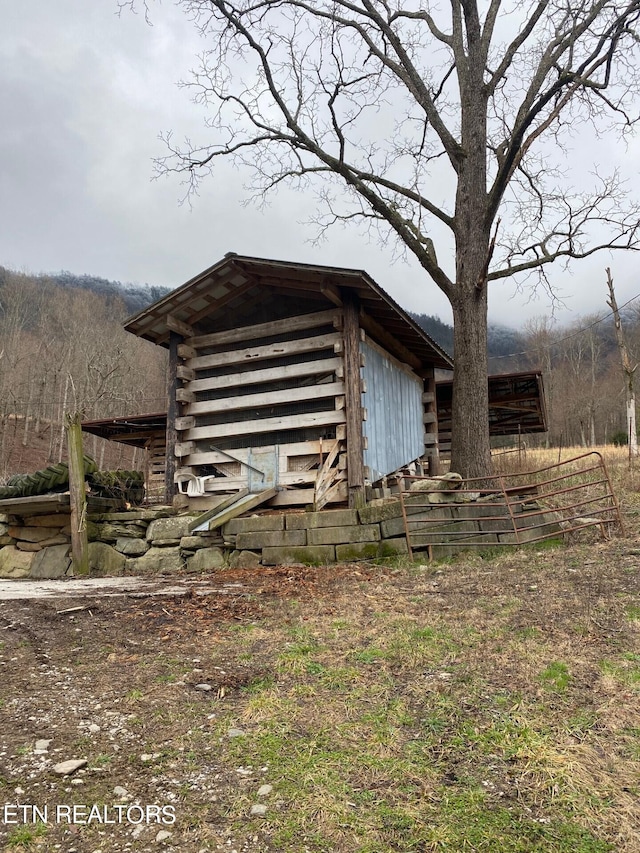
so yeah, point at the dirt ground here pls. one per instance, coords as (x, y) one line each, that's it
(137, 685)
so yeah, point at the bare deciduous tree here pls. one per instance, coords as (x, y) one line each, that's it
(628, 368)
(445, 124)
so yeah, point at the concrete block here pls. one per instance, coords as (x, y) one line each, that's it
(311, 555)
(324, 518)
(270, 539)
(381, 512)
(357, 551)
(343, 535)
(254, 523)
(473, 545)
(454, 533)
(391, 547)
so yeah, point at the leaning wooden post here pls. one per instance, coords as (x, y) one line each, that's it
(77, 495)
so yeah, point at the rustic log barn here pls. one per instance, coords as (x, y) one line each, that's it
(304, 381)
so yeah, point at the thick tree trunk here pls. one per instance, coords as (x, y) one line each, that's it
(470, 449)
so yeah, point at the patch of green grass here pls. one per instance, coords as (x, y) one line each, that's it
(556, 676)
(369, 656)
(633, 612)
(257, 685)
(134, 695)
(626, 670)
(25, 836)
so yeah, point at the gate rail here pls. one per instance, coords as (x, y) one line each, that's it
(509, 509)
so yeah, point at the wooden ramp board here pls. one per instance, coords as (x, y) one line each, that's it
(241, 503)
(200, 521)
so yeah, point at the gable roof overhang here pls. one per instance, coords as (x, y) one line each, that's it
(211, 290)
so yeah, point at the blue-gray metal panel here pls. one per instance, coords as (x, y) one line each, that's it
(394, 427)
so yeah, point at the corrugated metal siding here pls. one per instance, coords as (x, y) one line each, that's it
(394, 427)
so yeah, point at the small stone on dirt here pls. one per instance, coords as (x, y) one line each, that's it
(258, 810)
(265, 790)
(204, 687)
(235, 733)
(163, 835)
(66, 768)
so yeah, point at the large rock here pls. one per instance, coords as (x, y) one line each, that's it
(52, 562)
(244, 560)
(131, 547)
(111, 531)
(205, 560)
(33, 534)
(57, 519)
(169, 528)
(14, 563)
(105, 560)
(157, 560)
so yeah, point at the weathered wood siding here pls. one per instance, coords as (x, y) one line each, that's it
(269, 395)
(393, 428)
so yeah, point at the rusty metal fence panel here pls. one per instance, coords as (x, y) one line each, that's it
(445, 515)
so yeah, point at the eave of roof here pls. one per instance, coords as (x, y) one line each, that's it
(233, 272)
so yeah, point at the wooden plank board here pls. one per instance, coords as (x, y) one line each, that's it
(269, 374)
(240, 505)
(288, 422)
(271, 398)
(285, 451)
(288, 478)
(279, 350)
(178, 326)
(293, 497)
(263, 330)
(207, 516)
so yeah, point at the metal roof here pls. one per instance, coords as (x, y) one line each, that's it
(238, 276)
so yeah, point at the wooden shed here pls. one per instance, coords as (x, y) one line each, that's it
(302, 380)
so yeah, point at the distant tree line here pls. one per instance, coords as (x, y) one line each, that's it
(63, 346)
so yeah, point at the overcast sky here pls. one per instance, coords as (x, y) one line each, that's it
(84, 95)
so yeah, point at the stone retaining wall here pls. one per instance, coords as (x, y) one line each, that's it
(158, 540)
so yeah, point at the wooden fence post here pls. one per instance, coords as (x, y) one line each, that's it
(77, 495)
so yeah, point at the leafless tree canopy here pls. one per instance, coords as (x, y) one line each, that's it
(449, 124)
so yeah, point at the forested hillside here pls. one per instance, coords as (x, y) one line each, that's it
(62, 347)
